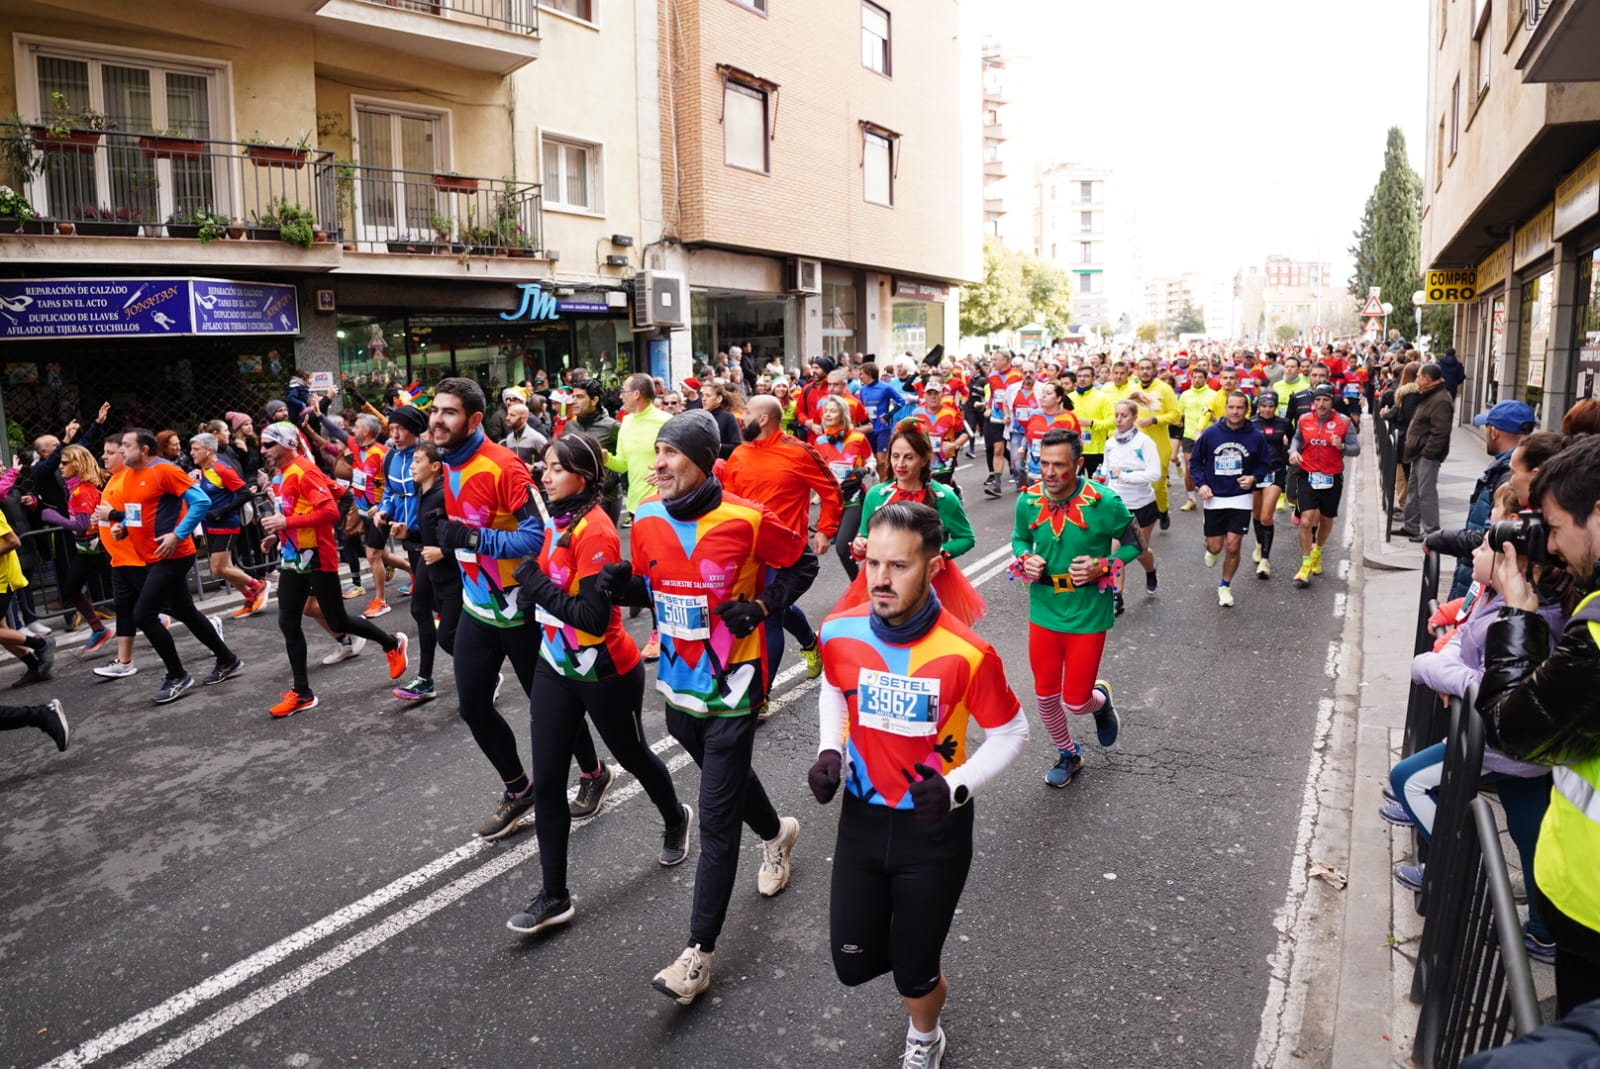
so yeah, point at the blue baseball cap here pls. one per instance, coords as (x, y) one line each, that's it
(1513, 417)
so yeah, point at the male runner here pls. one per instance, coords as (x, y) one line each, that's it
(226, 492)
(717, 570)
(1277, 431)
(902, 678)
(1230, 458)
(1322, 439)
(940, 422)
(368, 468)
(1093, 409)
(996, 415)
(1061, 539)
(1195, 404)
(881, 402)
(1021, 407)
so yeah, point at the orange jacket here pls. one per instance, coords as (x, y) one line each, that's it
(782, 472)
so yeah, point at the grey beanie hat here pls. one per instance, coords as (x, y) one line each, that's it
(694, 434)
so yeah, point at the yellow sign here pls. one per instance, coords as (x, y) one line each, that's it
(1451, 287)
(1534, 239)
(1492, 271)
(1578, 196)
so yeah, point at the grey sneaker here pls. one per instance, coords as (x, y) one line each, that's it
(221, 672)
(920, 1055)
(507, 816)
(675, 841)
(543, 912)
(773, 875)
(116, 669)
(173, 688)
(592, 792)
(685, 978)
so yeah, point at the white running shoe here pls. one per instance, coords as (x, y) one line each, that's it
(216, 622)
(773, 875)
(38, 627)
(116, 669)
(685, 978)
(1211, 559)
(920, 1055)
(1225, 597)
(342, 652)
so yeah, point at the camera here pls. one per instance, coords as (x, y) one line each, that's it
(1527, 534)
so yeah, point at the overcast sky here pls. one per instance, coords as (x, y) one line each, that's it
(1236, 129)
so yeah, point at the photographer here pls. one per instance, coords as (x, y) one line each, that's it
(1545, 707)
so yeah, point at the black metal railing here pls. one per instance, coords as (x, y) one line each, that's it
(384, 209)
(1426, 715)
(116, 183)
(513, 16)
(1386, 433)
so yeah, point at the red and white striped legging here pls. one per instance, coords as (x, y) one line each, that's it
(1064, 671)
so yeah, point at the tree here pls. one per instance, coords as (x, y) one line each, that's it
(1049, 291)
(1189, 321)
(1285, 333)
(1147, 332)
(1439, 323)
(1000, 301)
(1389, 240)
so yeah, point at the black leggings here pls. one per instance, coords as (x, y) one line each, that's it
(293, 590)
(896, 884)
(555, 713)
(849, 527)
(126, 582)
(427, 599)
(480, 651)
(166, 587)
(73, 589)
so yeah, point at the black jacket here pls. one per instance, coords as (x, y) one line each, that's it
(1538, 708)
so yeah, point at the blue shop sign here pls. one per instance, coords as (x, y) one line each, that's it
(35, 309)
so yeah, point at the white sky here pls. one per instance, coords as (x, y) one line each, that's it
(1235, 129)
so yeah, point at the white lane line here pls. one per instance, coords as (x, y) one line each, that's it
(1330, 667)
(1340, 601)
(258, 1002)
(147, 1021)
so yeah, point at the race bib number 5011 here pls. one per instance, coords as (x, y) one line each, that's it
(899, 705)
(683, 616)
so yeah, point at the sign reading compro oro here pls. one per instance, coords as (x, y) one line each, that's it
(1451, 287)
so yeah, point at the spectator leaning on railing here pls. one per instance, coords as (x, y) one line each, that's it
(1544, 707)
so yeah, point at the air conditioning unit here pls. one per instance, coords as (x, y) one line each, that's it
(805, 276)
(659, 300)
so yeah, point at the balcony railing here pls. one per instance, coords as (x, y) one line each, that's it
(1535, 11)
(513, 16)
(120, 184)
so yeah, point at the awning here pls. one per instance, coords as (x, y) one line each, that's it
(35, 309)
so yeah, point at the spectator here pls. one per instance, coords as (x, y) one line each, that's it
(1503, 428)
(522, 438)
(590, 418)
(1454, 373)
(1582, 418)
(1427, 444)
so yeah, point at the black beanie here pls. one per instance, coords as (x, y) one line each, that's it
(693, 433)
(412, 419)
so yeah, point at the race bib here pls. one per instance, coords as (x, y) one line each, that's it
(358, 479)
(1352, 390)
(467, 556)
(133, 515)
(1320, 480)
(542, 616)
(1022, 414)
(1229, 464)
(683, 616)
(841, 469)
(898, 705)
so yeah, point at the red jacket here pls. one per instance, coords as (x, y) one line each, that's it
(782, 472)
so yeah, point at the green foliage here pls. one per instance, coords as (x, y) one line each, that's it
(1049, 293)
(1389, 239)
(1439, 323)
(295, 224)
(1189, 321)
(1147, 332)
(1284, 333)
(1000, 301)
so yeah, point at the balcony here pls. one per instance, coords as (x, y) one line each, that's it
(1561, 41)
(233, 202)
(994, 168)
(994, 206)
(994, 131)
(493, 36)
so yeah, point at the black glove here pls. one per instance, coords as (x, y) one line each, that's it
(453, 535)
(615, 579)
(740, 617)
(930, 795)
(823, 779)
(532, 583)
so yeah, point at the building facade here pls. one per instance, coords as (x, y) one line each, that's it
(1072, 210)
(994, 138)
(1511, 195)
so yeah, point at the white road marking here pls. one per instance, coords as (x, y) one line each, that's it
(1330, 667)
(1339, 603)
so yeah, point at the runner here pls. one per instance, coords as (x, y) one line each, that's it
(941, 423)
(1158, 410)
(1132, 466)
(1093, 409)
(1062, 537)
(125, 560)
(226, 492)
(435, 582)
(397, 502)
(718, 569)
(1230, 458)
(881, 402)
(37, 653)
(1322, 439)
(83, 479)
(849, 456)
(369, 467)
(161, 507)
(1277, 431)
(1021, 406)
(997, 414)
(490, 524)
(1052, 411)
(587, 665)
(1195, 403)
(903, 677)
(302, 529)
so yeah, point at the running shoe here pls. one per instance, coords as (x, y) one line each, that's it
(1107, 725)
(813, 657)
(1295, 519)
(351, 592)
(1150, 584)
(991, 486)
(1211, 559)
(96, 640)
(221, 672)
(52, 720)
(418, 690)
(1409, 876)
(1118, 606)
(1283, 504)
(1189, 506)
(47, 657)
(1264, 569)
(344, 649)
(923, 1055)
(293, 702)
(1066, 766)
(1255, 554)
(1537, 948)
(652, 648)
(29, 677)
(507, 816)
(688, 976)
(116, 669)
(173, 688)
(1302, 578)
(404, 590)
(38, 628)
(241, 612)
(1225, 596)
(675, 841)
(388, 573)
(1166, 520)
(375, 609)
(1395, 814)
(1388, 792)
(591, 793)
(1316, 560)
(773, 875)
(398, 661)
(259, 600)
(545, 911)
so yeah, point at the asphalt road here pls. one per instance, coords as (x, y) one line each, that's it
(201, 883)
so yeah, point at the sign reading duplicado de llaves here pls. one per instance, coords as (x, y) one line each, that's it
(1457, 286)
(38, 309)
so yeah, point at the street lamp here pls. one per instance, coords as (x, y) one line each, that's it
(1418, 299)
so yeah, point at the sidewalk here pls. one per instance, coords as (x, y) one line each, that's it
(1457, 476)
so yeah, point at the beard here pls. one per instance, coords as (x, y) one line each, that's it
(750, 431)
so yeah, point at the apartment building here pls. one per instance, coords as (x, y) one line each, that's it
(994, 138)
(1071, 209)
(233, 191)
(818, 174)
(1285, 297)
(1511, 195)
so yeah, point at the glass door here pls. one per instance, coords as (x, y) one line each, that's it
(395, 195)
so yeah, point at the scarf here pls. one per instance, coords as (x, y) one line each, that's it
(463, 452)
(919, 624)
(1125, 438)
(697, 502)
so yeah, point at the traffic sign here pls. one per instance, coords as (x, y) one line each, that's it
(1316, 334)
(1373, 307)
(1374, 325)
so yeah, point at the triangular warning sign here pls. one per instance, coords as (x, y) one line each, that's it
(1373, 307)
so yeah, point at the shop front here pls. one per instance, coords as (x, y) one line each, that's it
(918, 315)
(720, 318)
(1532, 256)
(1577, 226)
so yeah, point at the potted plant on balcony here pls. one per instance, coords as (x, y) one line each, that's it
(450, 182)
(69, 129)
(290, 154)
(104, 222)
(296, 225)
(510, 235)
(17, 215)
(18, 152)
(171, 144)
(203, 225)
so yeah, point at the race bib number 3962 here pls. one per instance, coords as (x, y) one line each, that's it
(899, 705)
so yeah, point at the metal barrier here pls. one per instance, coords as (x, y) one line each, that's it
(1426, 717)
(1386, 433)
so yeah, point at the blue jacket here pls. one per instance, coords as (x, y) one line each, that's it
(399, 488)
(1220, 446)
(1479, 505)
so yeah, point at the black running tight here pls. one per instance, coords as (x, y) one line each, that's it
(293, 590)
(166, 589)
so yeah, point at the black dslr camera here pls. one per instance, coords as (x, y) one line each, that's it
(1526, 534)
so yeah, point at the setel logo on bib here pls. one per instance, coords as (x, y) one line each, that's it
(898, 705)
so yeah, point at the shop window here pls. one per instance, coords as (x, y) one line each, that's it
(744, 127)
(578, 9)
(877, 164)
(1533, 340)
(1588, 320)
(875, 38)
(838, 317)
(572, 175)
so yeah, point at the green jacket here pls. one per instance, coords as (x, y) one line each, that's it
(636, 451)
(958, 536)
(1086, 528)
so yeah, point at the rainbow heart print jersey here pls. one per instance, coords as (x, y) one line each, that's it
(910, 704)
(489, 489)
(690, 567)
(569, 558)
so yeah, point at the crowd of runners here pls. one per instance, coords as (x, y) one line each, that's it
(502, 520)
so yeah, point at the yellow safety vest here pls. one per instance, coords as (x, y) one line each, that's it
(1567, 861)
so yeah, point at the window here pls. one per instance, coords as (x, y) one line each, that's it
(1086, 192)
(1085, 283)
(1438, 156)
(571, 175)
(753, 5)
(877, 165)
(744, 126)
(1052, 191)
(397, 149)
(874, 38)
(1086, 252)
(578, 9)
(1455, 117)
(1086, 221)
(1483, 54)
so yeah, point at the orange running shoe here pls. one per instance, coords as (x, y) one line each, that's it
(376, 609)
(398, 661)
(293, 703)
(259, 602)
